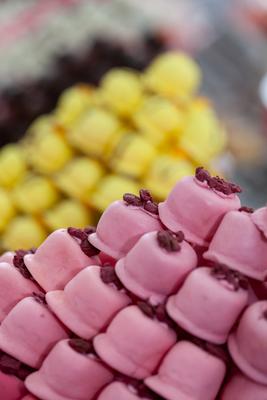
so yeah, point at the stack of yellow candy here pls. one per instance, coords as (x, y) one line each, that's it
(134, 130)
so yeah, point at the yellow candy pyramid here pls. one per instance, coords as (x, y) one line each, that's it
(134, 130)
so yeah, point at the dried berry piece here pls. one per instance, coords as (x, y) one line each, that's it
(265, 314)
(216, 183)
(146, 308)
(246, 209)
(234, 278)
(108, 276)
(132, 199)
(81, 346)
(145, 195)
(9, 365)
(39, 297)
(18, 262)
(77, 233)
(168, 241)
(151, 207)
(202, 175)
(88, 248)
(82, 234)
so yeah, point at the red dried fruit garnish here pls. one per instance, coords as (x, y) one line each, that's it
(11, 366)
(235, 278)
(265, 314)
(246, 209)
(170, 241)
(39, 297)
(81, 346)
(82, 234)
(158, 312)
(216, 183)
(18, 262)
(108, 275)
(145, 200)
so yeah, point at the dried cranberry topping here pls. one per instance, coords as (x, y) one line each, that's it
(170, 241)
(81, 346)
(18, 262)
(265, 314)
(132, 199)
(82, 234)
(145, 200)
(234, 278)
(246, 209)
(145, 195)
(11, 366)
(216, 183)
(39, 297)
(108, 275)
(158, 312)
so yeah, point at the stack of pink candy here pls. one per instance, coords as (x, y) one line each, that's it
(159, 302)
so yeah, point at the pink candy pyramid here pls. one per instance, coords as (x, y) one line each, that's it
(163, 301)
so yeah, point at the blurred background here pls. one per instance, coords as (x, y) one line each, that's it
(47, 46)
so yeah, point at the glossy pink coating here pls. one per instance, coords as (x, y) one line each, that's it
(120, 227)
(119, 391)
(57, 260)
(29, 332)
(240, 245)
(151, 272)
(87, 304)
(7, 257)
(259, 217)
(68, 375)
(14, 287)
(11, 388)
(188, 373)
(196, 209)
(134, 344)
(248, 344)
(213, 308)
(241, 387)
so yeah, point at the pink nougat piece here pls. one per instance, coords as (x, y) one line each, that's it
(29, 331)
(240, 387)
(240, 245)
(120, 226)
(87, 303)
(157, 265)
(259, 217)
(121, 391)
(197, 207)
(14, 287)
(209, 303)
(248, 344)
(11, 388)
(188, 373)
(134, 343)
(57, 260)
(69, 372)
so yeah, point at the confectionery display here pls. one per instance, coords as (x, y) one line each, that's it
(134, 129)
(138, 309)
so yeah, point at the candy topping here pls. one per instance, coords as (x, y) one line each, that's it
(18, 262)
(81, 346)
(170, 241)
(108, 276)
(216, 183)
(12, 366)
(158, 312)
(246, 209)
(82, 234)
(144, 200)
(39, 297)
(237, 280)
